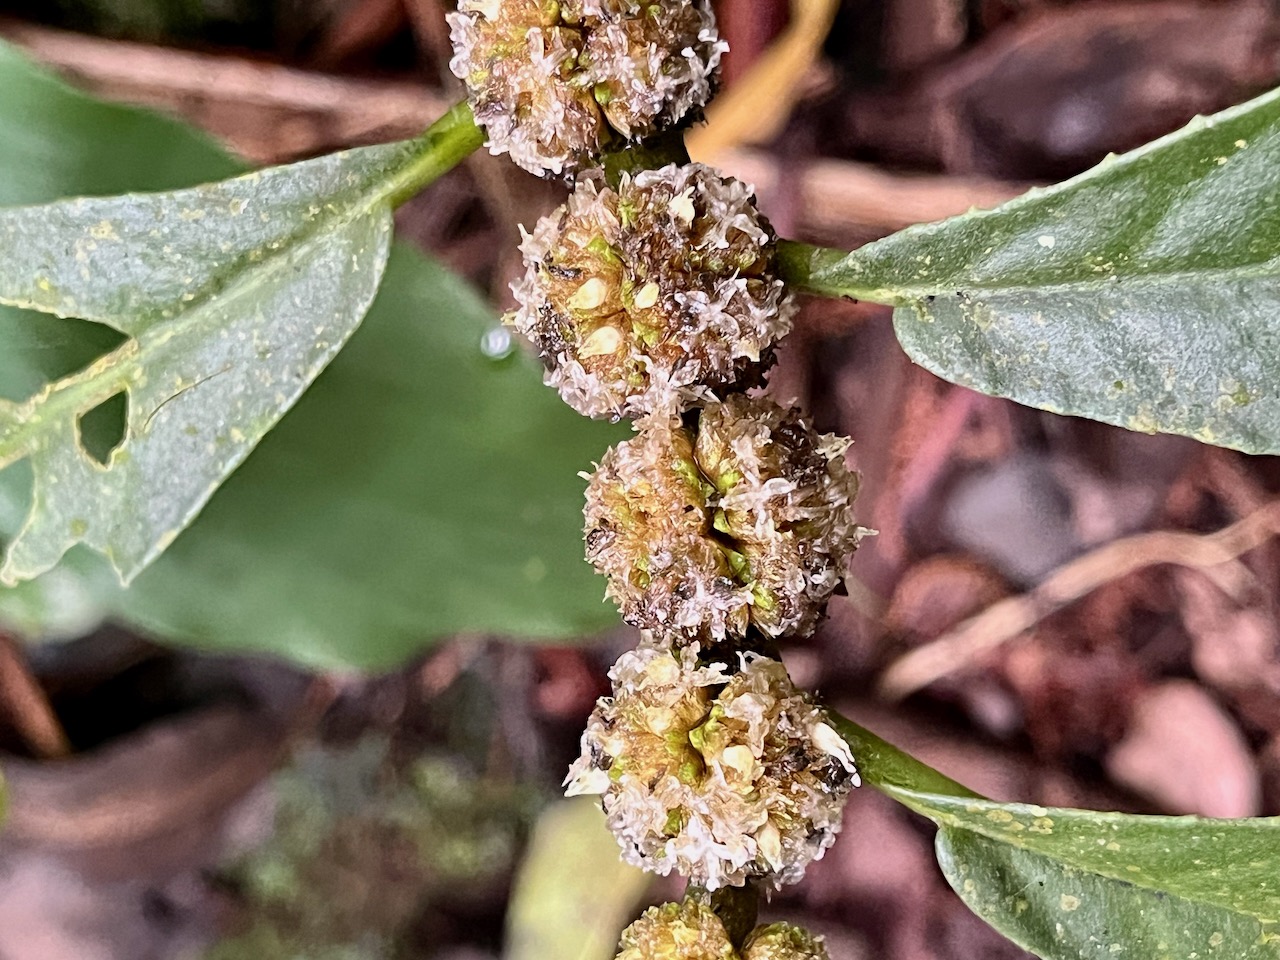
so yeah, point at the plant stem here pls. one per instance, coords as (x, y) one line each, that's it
(802, 266)
(655, 152)
(444, 145)
(891, 770)
(737, 907)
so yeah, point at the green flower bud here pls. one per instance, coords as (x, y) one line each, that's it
(655, 296)
(554, 83)
(782, 941)
(677, 931)
(742, 520)
(723, 778)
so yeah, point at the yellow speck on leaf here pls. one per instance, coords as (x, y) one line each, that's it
(104, 230)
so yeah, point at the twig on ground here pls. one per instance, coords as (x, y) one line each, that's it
(839, 199)
(755, 108)
(24, 703)
(267, 113)
(1006, 620)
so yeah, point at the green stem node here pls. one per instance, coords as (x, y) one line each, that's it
(653, 153)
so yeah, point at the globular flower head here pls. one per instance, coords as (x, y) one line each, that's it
(739, 519)
(677, 931)
(782, 941)
(691, 930)
(554, 82)
(723, 778)
(654, 296)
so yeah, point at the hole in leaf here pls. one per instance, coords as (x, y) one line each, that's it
(39, 349)
(102, 428)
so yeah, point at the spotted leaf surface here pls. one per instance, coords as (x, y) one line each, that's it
(1143, 293)
(1079, 885)
(233, 297)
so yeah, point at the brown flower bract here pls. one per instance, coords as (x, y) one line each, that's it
(742, 520)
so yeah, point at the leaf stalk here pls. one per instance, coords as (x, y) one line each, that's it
(890, 769)
(444, 145)
(804, 267)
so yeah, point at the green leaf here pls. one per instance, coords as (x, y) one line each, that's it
(419, 489)
(1075, 884)
(1143, 293)
(233, 296)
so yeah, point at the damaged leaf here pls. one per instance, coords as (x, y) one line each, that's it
(233, 297)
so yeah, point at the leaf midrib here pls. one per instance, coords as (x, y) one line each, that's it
(912, 295)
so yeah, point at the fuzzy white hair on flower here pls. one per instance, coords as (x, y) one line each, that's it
(741, 519)
(655, 296)
(555, 83)
(717, 776)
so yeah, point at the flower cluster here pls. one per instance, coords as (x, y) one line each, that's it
(656, 295)
(692, 931)
(739, 521)
(724, 776)
(554, 82)
(782, 941)
(688, 930)
(726, 522)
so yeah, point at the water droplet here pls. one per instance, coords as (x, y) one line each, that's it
(497, 343)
